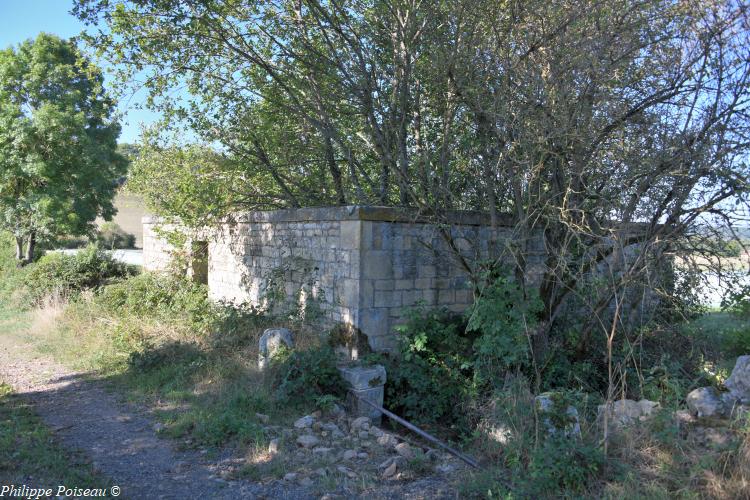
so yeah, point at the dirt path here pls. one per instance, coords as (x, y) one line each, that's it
(119, 438)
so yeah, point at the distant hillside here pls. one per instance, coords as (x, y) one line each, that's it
(130, 210)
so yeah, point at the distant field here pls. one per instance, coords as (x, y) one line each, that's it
(130, 210)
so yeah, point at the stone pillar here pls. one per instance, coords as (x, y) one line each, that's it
(270, 342)
(365, 382)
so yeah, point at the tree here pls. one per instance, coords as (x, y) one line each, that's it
(58, 161)
(600, 125)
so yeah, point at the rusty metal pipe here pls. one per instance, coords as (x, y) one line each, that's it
(422, 433)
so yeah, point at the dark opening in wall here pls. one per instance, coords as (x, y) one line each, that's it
(199, 261)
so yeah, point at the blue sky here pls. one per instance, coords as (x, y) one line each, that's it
(24, 19)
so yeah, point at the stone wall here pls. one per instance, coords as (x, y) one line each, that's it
(358, 265)
(157, 252)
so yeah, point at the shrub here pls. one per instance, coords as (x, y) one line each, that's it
(502, 317)
(737, 301)
(153, 294)
(111, 236)
(737, 341)
(432, 378)
(301, 377)
(523, 457)
(69, 274)
(564, 464)
(446, 359)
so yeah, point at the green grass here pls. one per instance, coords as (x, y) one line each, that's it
(722, 336)
(30, 455)
(204, 386)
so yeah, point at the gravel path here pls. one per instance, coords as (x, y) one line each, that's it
(117, 437)
(120, 441)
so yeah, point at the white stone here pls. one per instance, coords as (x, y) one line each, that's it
(274, 446)
(390, 471)
(304, 422)
(349, 455)
(307, 441)
(405, 451)
(270, 342)
(387, 440)
(624, 412)
(290, 476)
(358, 422)
(705, 402)
(738, 382)
(501, 434)
(546, 405)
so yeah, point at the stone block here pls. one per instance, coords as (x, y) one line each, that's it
(404, 284)
(387, 298)
(383, 343)
(377, 264)
(270, 342)
(364, 377)
(426, 271)
(365, 383)
(373, 321)
(410, 297)
(361, 409)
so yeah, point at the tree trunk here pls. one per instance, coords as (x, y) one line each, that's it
(30, 248)
(19, 250)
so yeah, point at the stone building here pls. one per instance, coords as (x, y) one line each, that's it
(357, 265)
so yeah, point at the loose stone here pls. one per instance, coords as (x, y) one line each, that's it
(307, 441)
(390, 471)
(304, 422)
(274, 445)
(405, 451)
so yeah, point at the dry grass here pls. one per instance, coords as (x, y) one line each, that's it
(686, 462)
(46, 317)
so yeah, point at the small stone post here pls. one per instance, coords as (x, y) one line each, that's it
(270, 342)
(365, 382)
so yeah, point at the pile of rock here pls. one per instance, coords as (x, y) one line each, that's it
(320, 445)
(708, 402)
(626, 412)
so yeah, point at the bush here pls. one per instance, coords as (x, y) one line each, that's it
(112, 236)
(502, 318)
(58, 273)
(523, 457)
(171, 297)
(302, 377)
(446, 359)
(432, 378)
(737, 341)
(737, 301)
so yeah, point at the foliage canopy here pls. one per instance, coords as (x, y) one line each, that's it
(58, 162)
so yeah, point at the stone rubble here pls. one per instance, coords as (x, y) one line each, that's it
(333, 444)
(708, 402)
(625, 412)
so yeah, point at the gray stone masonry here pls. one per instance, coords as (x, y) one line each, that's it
(364, 266)
(365, 382)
